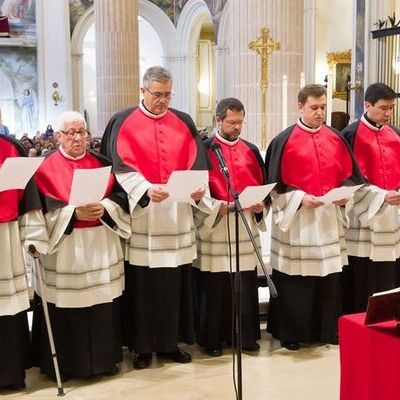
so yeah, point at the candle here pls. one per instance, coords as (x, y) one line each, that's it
(284, 102)
(329, 93)
(302, 80)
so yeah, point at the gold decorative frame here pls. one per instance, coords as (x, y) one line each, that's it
(340, 64)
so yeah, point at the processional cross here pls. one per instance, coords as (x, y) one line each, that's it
(264, 46)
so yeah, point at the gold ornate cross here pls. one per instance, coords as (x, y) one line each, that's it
(264, 46)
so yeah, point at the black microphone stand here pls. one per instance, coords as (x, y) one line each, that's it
(237, 279)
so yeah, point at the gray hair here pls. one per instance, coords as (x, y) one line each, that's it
(158, 74)
(69, 117)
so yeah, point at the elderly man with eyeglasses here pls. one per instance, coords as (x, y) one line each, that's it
(146, 144)
(83, 270)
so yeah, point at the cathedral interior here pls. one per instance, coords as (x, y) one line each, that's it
(90, 56)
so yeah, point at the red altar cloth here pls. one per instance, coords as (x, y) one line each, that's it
(369, 359)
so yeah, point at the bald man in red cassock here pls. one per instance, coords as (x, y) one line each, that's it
(308, 249)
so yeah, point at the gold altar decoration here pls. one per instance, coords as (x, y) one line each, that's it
(264, 46)
(340, 64)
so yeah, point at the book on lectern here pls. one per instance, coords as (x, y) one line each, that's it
(383, 306)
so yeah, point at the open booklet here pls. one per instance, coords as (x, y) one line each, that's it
(383, 306)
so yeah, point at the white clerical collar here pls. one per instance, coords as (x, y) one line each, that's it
(366, 122)
(150, 114)
(225, 141)
(303, 126)
(69, 157)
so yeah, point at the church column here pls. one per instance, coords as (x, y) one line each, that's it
(220, 54)
(285, 22)
(117, 57)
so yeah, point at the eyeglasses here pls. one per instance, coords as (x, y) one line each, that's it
(235, 123)
(71, 134)
(160, 95)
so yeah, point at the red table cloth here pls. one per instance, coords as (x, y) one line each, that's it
(369, 359)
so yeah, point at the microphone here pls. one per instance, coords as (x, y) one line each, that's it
(216, 148)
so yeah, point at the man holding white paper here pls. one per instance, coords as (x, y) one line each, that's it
(21, 224)
(83, 269)
(146, 144)
(214, 290)
(308, 249)
(373, 237)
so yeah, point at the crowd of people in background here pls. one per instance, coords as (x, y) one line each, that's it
(41, 143)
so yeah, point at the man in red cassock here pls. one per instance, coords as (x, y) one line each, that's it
(308, 249)
(21, 224)
(373, 237)
(83, 269)
(216, 246)
(146, 144)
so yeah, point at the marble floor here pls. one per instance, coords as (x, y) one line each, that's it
(274, 373)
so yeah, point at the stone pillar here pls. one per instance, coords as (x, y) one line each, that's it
(285, 22)
(117, 57)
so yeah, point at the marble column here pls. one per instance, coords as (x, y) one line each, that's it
(285, 22)
(117, 57)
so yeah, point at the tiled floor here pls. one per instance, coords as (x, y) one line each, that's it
(274, 373)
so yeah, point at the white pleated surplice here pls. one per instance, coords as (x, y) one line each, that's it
(15, 237)
(85, 267)
(374, 228)
(307, 242)
(213, 245)
(163, 234)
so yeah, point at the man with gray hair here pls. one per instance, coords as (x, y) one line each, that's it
(146, 144)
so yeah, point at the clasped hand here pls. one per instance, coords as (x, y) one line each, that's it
(90, 212)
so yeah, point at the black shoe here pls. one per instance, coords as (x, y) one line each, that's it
(179, 356)
(290, 345)
(112, 372)
(254, 347)
(142, 360)
(214, 351)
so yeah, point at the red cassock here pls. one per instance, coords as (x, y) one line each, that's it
(9, 199)
(315, 161)
(54, 180)
(163, 145)
(377, 152)
(244, 167)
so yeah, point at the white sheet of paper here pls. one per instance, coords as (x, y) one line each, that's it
(252, 195)
(343, 192)
(181, 184)
(89, 185)
(16, 172)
